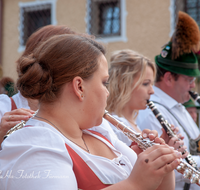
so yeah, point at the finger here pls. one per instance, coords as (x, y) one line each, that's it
(179, 144)
(159, 157)
(176, 130)
(185, 153)
(165, 159)
(159, 140)
(150, 150)
(170, 167)
(159, 151)
(136, 149)
(24, 109)
(172, 141)
(180, 136)
(176, 143)
(17, 117)
(151, 134)
(145, 133)
(172, 127)
(8, 125)
(165, 136)
(20, 112)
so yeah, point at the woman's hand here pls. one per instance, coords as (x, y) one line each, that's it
(176, 142)
(153, 165)
(179, 146)
(12, 118)
(152, 135)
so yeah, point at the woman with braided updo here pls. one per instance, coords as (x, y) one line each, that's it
(56, 149)
(17, 108)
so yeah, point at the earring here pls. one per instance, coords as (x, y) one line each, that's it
(81, 95)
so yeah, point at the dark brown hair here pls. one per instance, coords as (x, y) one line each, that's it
(9, 85)
(56, 62)
(161, 72)
(45, 33)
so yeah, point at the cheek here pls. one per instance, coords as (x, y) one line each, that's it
(102, 94)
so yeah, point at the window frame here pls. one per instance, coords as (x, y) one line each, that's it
(23, 5)
(196, 8)
(172, 9)
(107, 39)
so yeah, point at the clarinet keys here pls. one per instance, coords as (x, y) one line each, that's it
(184, 168)
(189, 172)
(195, 179)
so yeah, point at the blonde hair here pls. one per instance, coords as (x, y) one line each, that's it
(125, 66)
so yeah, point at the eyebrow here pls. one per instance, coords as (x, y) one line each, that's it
(147, 80)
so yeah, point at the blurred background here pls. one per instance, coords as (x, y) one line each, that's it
(144, 26)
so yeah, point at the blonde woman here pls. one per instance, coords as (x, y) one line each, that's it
(130, 85)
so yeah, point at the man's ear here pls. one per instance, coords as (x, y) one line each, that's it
(168, 78)
(77, 84)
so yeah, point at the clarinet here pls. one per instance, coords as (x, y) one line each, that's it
(167, 127)
(195, 96)
(184, 168)
(17, 127)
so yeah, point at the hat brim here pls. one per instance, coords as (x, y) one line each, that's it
(179, 70)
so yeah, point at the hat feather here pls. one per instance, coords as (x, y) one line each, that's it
(186, 37)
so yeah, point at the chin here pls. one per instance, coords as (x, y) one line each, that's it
(99, 122)
(143, 107)
(186, 99)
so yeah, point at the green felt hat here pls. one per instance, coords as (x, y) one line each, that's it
(186, 64)
(178, 55)
(10, 88)
(190, 104)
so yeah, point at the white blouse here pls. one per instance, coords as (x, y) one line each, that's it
(5, 103)
(36, 157)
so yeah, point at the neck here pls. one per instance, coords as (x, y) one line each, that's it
(169, 91)
(159, 85)
(62, 119)
(79, 143)
(128, 114)
(33, 104)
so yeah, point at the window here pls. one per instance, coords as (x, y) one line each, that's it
(109, 19)
(192, 7)
(106, 19)
(175, 7)
(34, 15)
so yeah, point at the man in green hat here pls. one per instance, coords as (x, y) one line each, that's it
(192, 109)
(177, 68)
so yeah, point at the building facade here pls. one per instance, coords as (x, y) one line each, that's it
(143, 26)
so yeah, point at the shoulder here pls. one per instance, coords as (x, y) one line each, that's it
(35, 136)
(34, 142)
(106, 130)
(4, 97)
(20, 101)
(5, 104)
(37, 151)
(143, 115)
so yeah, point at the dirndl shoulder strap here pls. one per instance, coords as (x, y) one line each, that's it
(13, 105)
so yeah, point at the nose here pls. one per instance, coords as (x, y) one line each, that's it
(192, 85)
(108, 93)
(151, 91)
